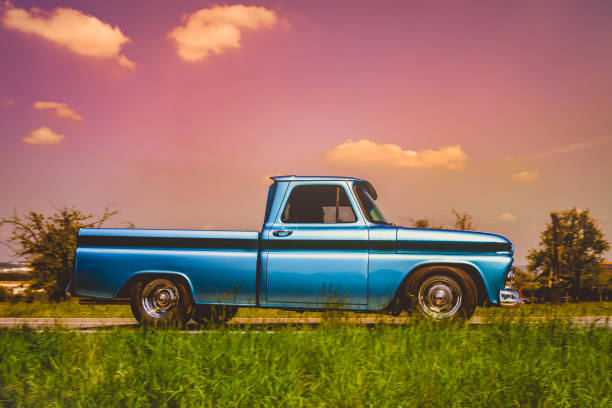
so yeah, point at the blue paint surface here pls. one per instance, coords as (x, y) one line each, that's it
(358, 265)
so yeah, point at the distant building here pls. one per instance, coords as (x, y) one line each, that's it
(14, 276)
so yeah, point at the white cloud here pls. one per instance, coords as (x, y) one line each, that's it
(366, 152)
(507, 217)
(526, 176)
(125, 62)
(43, 136)
(61, 109)
(218, 28)
(573, 147)
(81, 33)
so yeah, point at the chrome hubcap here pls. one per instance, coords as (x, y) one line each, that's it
(440, 297)
(159, 297)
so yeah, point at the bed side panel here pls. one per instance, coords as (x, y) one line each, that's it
(219, 265)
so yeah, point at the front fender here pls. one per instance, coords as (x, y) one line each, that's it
(388, 273)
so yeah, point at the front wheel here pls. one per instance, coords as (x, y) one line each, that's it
(442, 293)
(161, 302)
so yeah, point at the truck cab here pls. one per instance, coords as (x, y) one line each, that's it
(315, 243)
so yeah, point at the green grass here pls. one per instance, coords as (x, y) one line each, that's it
(421, 364)
(547, 309)
(72, 308)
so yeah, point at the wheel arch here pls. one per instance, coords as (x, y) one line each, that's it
(482, 295)
(124, 291)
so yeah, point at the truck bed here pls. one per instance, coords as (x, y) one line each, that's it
(220, 266)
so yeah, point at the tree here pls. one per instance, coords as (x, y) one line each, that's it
(463, 221)
(425, 224)
(569, 254)
(48, 243)
(525, 283)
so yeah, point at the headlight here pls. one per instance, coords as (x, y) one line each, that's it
(509, 282)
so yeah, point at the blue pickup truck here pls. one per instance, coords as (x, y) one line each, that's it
(324, 245)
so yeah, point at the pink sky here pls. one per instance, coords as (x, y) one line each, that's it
(502, 109)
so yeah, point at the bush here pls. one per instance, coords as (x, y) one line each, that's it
(48, 243)
(5, 294)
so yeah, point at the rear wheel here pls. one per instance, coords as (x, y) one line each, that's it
(161, 302)
(441, 293)
(213, 314)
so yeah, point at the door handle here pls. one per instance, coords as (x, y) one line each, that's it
(282, 233)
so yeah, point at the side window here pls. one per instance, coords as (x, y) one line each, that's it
(318, 204)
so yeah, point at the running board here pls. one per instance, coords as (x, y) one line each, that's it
(94, 301)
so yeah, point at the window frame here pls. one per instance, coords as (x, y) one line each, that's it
(362, 208)
(342, 184)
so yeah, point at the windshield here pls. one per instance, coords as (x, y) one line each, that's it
(371, 211)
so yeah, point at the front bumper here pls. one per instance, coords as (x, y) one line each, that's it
(509, 299)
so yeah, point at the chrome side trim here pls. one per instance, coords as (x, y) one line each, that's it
(509, 299)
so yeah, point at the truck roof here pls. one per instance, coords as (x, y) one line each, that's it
(312, 178)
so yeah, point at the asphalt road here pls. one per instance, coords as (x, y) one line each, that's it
(91, 323)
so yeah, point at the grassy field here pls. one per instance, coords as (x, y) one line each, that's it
(422, 364)
(72, 308)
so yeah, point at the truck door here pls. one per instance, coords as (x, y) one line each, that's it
(317, 248)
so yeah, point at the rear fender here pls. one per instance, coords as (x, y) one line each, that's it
(124, 291)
